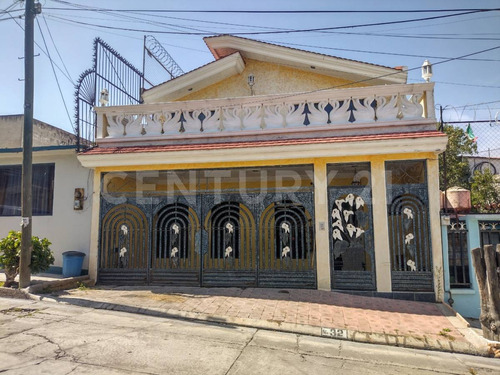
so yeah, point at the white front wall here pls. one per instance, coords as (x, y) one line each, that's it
(66, 228)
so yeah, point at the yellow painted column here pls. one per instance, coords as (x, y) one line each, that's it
(321, 222)
(435, 226)
(94, 226)
(380, 227)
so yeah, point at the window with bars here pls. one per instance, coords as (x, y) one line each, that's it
(458, 256)
(42, 189)
(490, 233)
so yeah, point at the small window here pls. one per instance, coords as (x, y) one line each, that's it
(42, 189)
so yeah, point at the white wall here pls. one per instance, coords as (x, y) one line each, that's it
(67, 229)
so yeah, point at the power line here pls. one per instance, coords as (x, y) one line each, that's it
(415, 68)
(420, 36)
(290, 31)
(79, 6)
(9, 8)
(374, 52)
(148, 21)
(322, 11)
(383, 76)
(467, 85)
(41, 49)
(232, 24)
(55, 46)
(54, 71)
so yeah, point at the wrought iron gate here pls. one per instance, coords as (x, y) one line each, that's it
(211, 240)
(175, 244)
(409, 237)
(352, 253)
(124, 237)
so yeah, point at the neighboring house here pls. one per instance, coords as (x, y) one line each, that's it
(482, 163)
(56, 175)
(460, 235)
(271, 167)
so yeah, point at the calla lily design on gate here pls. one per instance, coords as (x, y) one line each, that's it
(122, 258)
(408, 212)
(175, 228)
(349, 223)
(359, 203)
(285, 252)
(412, 266)
(285, 227)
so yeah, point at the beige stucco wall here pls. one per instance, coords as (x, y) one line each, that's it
(66, 228)
(11, 128)
(269, 79)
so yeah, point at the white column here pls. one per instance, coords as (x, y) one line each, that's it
(94, 226)
(380, 227)
(321, 222)
(435, 226)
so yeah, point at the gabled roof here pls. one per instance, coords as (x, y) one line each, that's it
(223, 45)
(230, 51)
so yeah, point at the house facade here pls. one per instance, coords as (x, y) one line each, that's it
(271, 167)
(57, 177)
(461, 234)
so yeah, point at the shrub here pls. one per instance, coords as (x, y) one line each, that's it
(10, 251)
(485, 195)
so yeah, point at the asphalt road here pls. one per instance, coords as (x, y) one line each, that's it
(49, 338)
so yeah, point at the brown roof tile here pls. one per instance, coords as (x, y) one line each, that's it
(268, 143)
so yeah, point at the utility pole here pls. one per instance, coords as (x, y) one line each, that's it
(27, 172)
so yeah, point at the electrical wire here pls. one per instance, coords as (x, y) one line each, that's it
(374, 52)
(55, 47)
(462, 84)
(322, 11)
(79, 6)
(242, 25)
(45, 53)
(420, 36)
(289, 31)
(54, 71)
(8, 9)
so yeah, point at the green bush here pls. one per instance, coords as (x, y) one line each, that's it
(10, 251)
(485, 195)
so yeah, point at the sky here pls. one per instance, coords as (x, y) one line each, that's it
(466, 89)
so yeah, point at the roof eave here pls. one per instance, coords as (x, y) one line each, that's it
(196, 79)
(310, 61)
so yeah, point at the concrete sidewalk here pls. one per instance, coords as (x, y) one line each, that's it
(411, 324)
(319, 313)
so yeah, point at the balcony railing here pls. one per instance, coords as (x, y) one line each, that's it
(388, 105)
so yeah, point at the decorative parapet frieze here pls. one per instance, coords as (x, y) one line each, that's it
(397, 104)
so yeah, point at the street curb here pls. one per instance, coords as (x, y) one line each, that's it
(67, 283)
(462, 325)
(413, 342)
(31, 291)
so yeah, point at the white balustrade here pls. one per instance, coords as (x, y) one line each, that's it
(327, 108)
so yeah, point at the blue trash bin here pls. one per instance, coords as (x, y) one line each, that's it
(72, 263)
